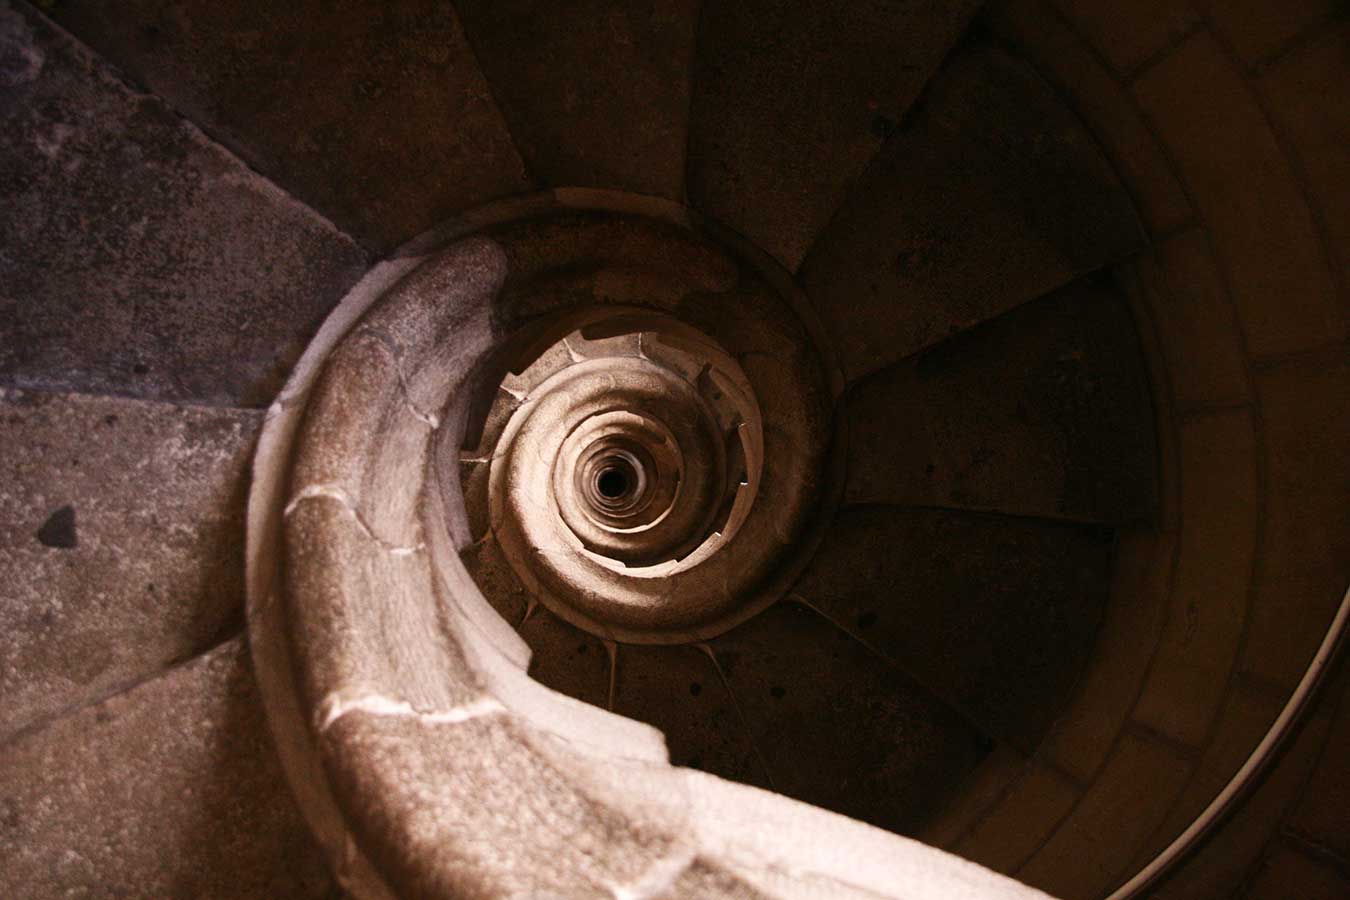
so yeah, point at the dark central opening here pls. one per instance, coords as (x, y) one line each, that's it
(612, 483)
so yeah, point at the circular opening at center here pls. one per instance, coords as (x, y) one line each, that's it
(612, 483)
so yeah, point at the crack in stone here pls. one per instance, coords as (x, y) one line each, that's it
(334, 707)
(338, 495)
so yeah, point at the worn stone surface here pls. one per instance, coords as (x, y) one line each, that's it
(121, 536)
(677, 689)
(595, 94)
(1020, 821)
(169, 790)
(802, 683)
(1130, 35)
(791, 100)
(1289, 872)
(137, 257)
(993, 195)
(467, 809)
(997, 615)
(1044, 411)
(378, 116)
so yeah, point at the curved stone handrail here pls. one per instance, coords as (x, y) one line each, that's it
(427, 761)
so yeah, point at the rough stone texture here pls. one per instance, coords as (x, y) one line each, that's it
(382, 119)
(1035, 28)
(136, 257)
(492, 572)
(121, 531)
(1199, 645)
(169, 790)
(1264, 236)
(802, 683)
(468, 810)
(678, 690)
(792, 99)
(1043, 412)
(1020, 602)
(566, 658)
(1087, 854)
(595, 93)
(992, 196)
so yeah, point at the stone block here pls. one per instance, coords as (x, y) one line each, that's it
(1222, 864)
(1083, 735)
(976, 796)
(1320, 815)
(121, 543)
(1021, 601)
(1305, 405)
(1208, 605)
(171, 789)
(594, 94)
(792, 100)
(136, 256)
(1088, 853)
(1021, 820)
(1107, 108)
(1289, 617)
(1306, 94)
(386, 124)
(1196, 324)
(1264, 236)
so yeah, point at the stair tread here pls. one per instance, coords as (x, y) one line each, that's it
(677, 689)
(791, 100)
(170, 789)
(376, 114)
(565, 658)
(1041, 412)
(995, 614)
(840, 727)
(993, 194)
(595, 93)
(121, 542)
(139, 258)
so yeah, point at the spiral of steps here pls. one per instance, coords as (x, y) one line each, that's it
(622, 417)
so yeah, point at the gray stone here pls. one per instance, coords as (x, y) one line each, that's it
(1042, 412)
(997, 615)
(121, 533)
(792, 99)
(377, 115)
(595, 93)
(840, 727)
(137, 257)
(993, 195)
(169, 790)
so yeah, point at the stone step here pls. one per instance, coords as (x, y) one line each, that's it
(374, 113)
(991, 195)
(171, 789)
(121, 543)
(791, 100)
(595, 93)
(138, 257)
(1043, 411)
(841, 727)
(996, 615)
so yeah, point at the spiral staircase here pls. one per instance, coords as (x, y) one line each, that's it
(507, 448)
